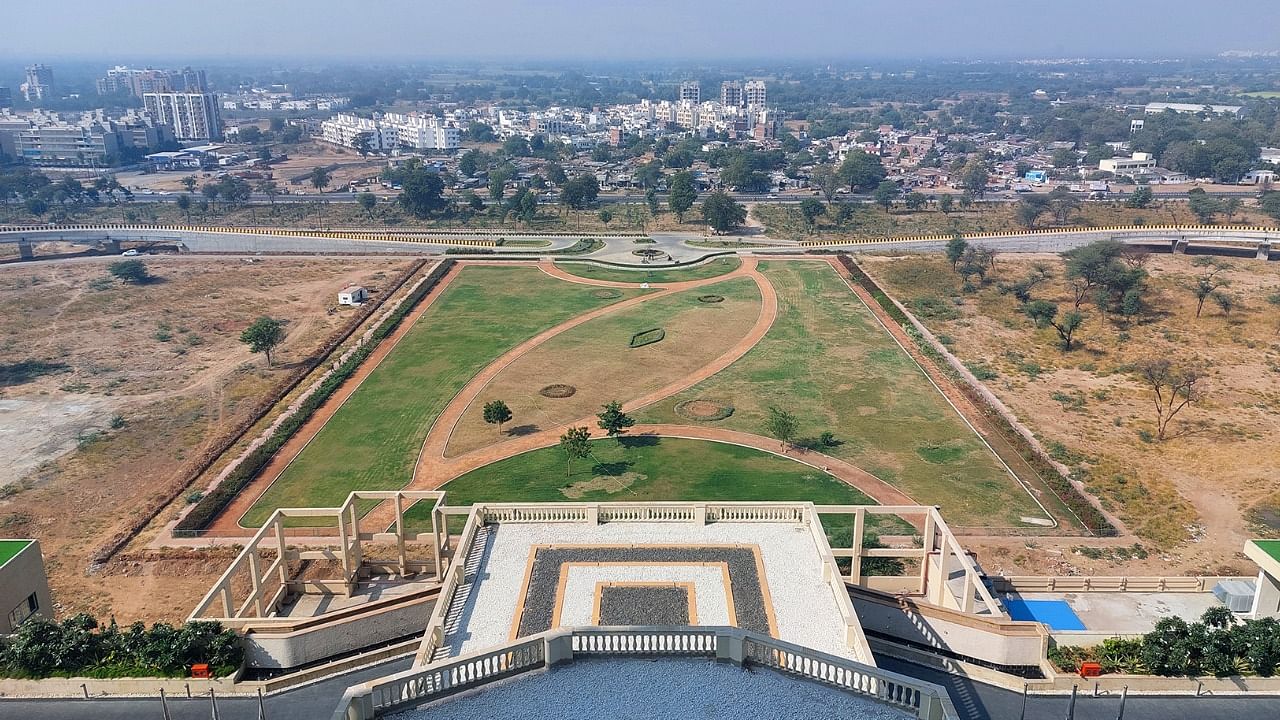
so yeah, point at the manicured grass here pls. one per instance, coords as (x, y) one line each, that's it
(645, 468)
(713, 268)
(826, 360)
(10, 548)
(373, 440)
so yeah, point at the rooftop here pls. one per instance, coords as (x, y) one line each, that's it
(10, 548)
(656, 688)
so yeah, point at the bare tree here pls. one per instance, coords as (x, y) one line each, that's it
(1136, 256)
(1173, 387)
(1207, 282)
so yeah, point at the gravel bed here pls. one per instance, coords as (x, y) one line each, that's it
(803, 604)
(630, 689)
(644, 605)
(544, 581)
(710, 595)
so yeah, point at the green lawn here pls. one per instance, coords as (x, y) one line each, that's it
(373, 441)
(647, 469)
(827, 361)
(712, 268)
(10, 548)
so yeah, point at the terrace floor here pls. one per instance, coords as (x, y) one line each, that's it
(1129, 613)
(371, 590)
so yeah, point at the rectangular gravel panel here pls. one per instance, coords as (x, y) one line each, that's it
(644, 605)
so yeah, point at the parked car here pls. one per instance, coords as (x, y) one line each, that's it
(130, 252)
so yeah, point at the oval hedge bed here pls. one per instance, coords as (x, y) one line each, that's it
(606, 294)
(703, 410)
(558, 391)
(647, 337)
(710, 298)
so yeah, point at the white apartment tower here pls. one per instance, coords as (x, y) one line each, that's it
(731, 93)
(754, 94)
(691, 91)
(193, 115)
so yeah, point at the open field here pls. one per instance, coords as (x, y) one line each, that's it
(785, 221)
(165, 358)
(1197, 495)
(373, 440)
(644, 468)
(712, 268)
(827, 361)
(595, 359)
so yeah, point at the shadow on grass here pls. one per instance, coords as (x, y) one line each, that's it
(519, 430)
(638, 441)
(27, 370)
(611, 468)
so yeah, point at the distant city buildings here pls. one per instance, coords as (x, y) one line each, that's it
(80, 139)
(6, 97)
(1159, 107)
(192, 115)
(690, 91)
(39, 84)
(754, 94)
(731, 93)
(123, 79)
(391, 131)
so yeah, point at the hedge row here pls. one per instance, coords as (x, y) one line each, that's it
(1061, 486)
(248, 468)
(207, 458)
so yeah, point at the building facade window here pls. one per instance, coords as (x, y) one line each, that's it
(25, 609)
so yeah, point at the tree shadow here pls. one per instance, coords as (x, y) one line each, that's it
(519, 430)
(638, 441)
(25, 371)
(611, 468)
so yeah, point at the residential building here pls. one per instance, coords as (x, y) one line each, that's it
(24, 588)
(1159, 107)
(1138, 164)
(690, 91)
(39, 84)
(392, 131)
(193, 115)
(754, 94)
(122, 79)
(86, 139)
(191, 80)
(6, 97)
(731, 93)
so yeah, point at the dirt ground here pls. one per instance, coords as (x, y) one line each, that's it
(1192, 499)
(135, 381)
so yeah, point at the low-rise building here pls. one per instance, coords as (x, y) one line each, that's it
(1159, 107)
(24, 588)
(392, 131)
(352, 295)
(1137, 164)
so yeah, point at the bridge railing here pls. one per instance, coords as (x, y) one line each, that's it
(437, 681)
(1216, 229)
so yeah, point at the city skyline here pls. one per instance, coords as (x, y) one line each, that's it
(667, 30)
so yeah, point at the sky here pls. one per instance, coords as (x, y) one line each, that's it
(645, 29)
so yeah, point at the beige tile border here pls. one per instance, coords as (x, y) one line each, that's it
(691, 597)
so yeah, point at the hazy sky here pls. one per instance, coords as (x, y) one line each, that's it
(638, 29)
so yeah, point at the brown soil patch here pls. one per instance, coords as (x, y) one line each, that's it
(174, 397)
(610, 484)
(558, 391)
(1188, 496)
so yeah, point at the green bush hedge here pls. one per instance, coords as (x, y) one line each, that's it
(1219, 644)
(79, 647)
(243, 473)
(647, 337)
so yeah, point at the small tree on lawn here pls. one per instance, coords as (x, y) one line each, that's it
(606, 216)
(613, 421)
(781, 425)
(263, 336)
(496, 412)
(1173, 387)
(367, 201)
(1207, 283)
(1045, 313)
(133, 272)
(576, 444)
(955, 249)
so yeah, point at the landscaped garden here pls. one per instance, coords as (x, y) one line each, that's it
(712, 268)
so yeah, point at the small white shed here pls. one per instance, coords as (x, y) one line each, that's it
(352, 295)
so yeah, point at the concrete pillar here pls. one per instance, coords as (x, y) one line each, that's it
(112, 246)
(436, 522)
(1266, 603)
(929, 541)
(559, 648)
(346, 556)
(357, 556)
(282, 553)
(855, 563)
(227, 610)
(255, 578)
(1264, 250)
(729, 648)
(1180, 246)
(26, 250)
(400, 553)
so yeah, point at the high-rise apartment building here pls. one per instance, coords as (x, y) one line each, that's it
(691, 91)
(121, 79)
(731, 93)
(191, 80)
(39, 84)
(754, 95)
(193, 115)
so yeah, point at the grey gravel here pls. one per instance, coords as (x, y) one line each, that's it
(544, 580)
(629, 689)
(644, 606)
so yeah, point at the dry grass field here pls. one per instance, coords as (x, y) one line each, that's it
(126, 384)
(1195, 497)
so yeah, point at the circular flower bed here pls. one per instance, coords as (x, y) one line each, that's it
(648, 252)
(703, 410)
(710, 298)
(606, 294)
(558, 391)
